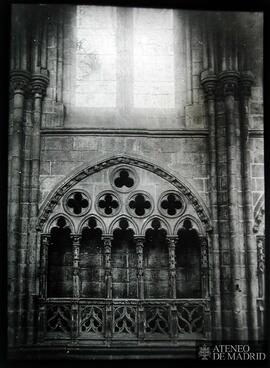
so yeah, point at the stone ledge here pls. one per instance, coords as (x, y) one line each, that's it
(68, 352)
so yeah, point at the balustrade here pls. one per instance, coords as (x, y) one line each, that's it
(122, 319)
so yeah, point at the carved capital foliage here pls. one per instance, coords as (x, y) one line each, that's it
(76, 239)
(171, 241)
(107, 241)
(228, 82)
(19, 81)
(39, 83)
(45, 239)
(209, 83)
(246, 81)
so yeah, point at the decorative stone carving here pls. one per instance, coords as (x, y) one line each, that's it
(201, 212)
(107, 243)
(108, 203)
(229, 83)
(172, 263)
(246, 81)
(19, 81)
(171, 204)
(39, 83)
(209, 82)
(124, 179)
(77, 203)
(260, 254)
(140, 204)
(258, 220)
(139, 250)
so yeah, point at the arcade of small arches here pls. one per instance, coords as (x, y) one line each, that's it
(115, 269)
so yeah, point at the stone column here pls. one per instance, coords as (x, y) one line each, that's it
(19, 84)
(75, 286)
(204, 267)
(209, 81)
(171, 244)
(107, 243)
(76, 270)
(39, 84)
(45, 241)
(245, 91)
(140, 280)
(43, 271)
(172, 239)
(229, 85)
(262, 330)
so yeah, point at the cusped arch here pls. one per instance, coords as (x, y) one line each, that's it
(115, 224)
(198, 226)
(100, 223)
(70, 223)
(165, 223)
(181, 185)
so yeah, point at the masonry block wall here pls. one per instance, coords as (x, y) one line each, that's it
(199, 116)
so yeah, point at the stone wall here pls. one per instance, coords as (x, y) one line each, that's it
(186, 156)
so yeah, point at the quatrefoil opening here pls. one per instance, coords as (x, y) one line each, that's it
(140, 204)
(77, 203)
(171, 204)
(107, 204)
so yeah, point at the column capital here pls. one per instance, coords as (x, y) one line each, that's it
(19, 80)
(139, 240)
(45, 239)
(172, 239)
(107, 240)
(39, 83)
(76, 239)
(246, 81)
(209, 83)
(229, 83)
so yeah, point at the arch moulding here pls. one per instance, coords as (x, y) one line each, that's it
(184, 188)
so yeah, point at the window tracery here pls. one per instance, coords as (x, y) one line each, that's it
(102, 255)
